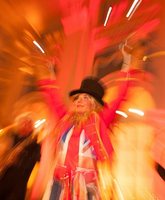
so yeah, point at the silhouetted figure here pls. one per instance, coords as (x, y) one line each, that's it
(16, 167)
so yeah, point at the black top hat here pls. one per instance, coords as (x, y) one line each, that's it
(91, 86)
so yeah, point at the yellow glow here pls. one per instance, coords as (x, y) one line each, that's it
(105, 180)
(39, 123)
(119, 192)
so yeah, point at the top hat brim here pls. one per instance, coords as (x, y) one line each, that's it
(73, 92)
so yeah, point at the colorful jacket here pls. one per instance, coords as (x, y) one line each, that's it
(95, 129)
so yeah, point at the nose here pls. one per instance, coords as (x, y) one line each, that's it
(79, 99)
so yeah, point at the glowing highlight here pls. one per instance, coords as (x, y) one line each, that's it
(108, 14)
(136, 111)
(39, 123)
(37, 45)
(121, 113)
(133, 8)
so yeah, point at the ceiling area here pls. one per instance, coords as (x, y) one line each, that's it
(75, 41)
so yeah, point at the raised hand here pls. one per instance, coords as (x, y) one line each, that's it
(126, 51)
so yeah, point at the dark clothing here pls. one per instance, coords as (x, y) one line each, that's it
(14, 180)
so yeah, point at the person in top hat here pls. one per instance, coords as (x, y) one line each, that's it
(92, 86)
(81, 138)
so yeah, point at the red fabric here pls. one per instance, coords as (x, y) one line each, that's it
(108, 113)
(92, 130)
(96, 132)
(71, 160)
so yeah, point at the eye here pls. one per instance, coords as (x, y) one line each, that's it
(86, 97)
(75, 97)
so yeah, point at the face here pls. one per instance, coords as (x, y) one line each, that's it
(83, 103)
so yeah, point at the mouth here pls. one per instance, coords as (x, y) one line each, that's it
(80, 106)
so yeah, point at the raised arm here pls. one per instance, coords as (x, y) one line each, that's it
(50, 91)
(109, 111)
